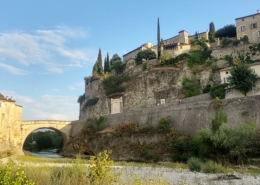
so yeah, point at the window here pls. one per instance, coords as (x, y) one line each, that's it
(259, 34)
(227, 80)
(254, 25)
(243, 28)
(226, 72)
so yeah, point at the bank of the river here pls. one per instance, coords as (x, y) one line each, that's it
(171, 175)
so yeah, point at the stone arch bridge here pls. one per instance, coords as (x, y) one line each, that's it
(61, 127)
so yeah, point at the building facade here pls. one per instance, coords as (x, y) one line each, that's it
(249, 26)
(10, 121)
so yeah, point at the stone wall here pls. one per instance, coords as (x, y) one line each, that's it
(242, 50)
(190, 117)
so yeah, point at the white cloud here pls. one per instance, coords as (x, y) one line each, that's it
(12, 70)
(47, 48)
(75, 86)
(48, 107)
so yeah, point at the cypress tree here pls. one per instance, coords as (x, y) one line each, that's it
(105, 65)
(100, 69)
(212, 32)
(158, 39)
(108, 63)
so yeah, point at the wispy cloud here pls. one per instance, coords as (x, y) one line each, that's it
(12, 70)
(76, 86)
(50, 47)
(47, 107)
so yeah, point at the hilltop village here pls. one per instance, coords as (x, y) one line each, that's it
(153, 74)
(138, 106)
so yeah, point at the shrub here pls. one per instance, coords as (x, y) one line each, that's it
(164, 124)
(147, 54)
(218, 91)
(236, 42)
(113, 84)
(194, 164)
(219, 118)
(94, 125)
(184, 148)
(229, 59)
(81, 98)
(144, 66)
(190, 87)
(226, 41)
(149, 153)
(206, 89)
(245, 39)
(91, 102)
(212, 167)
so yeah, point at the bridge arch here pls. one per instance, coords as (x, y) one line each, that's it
(61, 127)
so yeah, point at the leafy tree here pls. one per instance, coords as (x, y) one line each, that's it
(212, 32)
(118, 66)
(218, 91)
(106, 65)
(227, 31)
(190, 87)
(243, 78)
(158, 39)
(114, 58)
(147, 54)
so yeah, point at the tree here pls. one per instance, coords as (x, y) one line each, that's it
(158, 39)
(190, 87)
(165, 56)
(118, 66)
(243, 78)
(106, 65)
(147, 54)
(108, 62)
(114, 58)
(99, 63)
(212, 32)
(227, 31)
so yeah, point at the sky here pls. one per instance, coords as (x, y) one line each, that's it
(48, 47)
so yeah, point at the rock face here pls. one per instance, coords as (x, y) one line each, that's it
(144, 89)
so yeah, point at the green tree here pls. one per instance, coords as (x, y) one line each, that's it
(108, 61)
(114, 58)
(226, 31)
(243, 78)
(106, 65)
(118, 66)
(212, 32)
(158, 39)
(147, 54)
(190, 87)
(99, 63)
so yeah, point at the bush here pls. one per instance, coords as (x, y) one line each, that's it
(219, 119)
(91, 102)
(218, 91)
(94, 125)
(184, 148)
(229, 59)
(113, 84)
(147, 54)
(226, 41)
(164, 124)
(236, 42)
(194, 164)
(144, 67)
(190, 87)
(245, 39)
(206, 89)
(212, 167)
(81, 98)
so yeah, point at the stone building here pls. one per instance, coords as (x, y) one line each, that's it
(129, 58)
(250, 26)
(10, 121)
(231, 92)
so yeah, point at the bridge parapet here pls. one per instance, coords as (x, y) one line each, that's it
(45, 122)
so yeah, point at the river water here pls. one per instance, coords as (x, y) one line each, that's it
(46, 155)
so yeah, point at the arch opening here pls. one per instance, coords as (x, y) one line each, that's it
(44, 139)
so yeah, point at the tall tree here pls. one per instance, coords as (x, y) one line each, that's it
(158, 39)
(108, 62)
(212, 32)
(105, 65)
(100, 69)
(243, 78)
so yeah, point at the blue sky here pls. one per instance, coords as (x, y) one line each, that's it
(48, 47)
